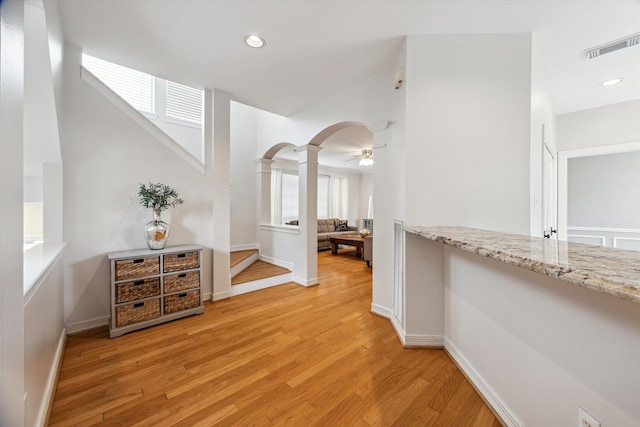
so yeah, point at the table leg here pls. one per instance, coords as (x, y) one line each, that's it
(334, 248)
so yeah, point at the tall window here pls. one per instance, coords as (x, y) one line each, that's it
(333, 196)
(323, 196)
(340, 197)
(289, 196)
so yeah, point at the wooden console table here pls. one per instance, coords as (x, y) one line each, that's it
(149, 287)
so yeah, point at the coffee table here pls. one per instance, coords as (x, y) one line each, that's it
(348, 240)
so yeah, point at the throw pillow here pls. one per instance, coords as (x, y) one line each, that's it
(342, 225)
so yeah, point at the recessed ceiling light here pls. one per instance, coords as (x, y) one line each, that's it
(254, 41)
(611, 82)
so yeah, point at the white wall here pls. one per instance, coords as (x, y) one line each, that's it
(609, 125)
(243, 174)
(11, 143)
(561, 346)
(43, 338)
(604, 191)
(468, 111)
(106, 156)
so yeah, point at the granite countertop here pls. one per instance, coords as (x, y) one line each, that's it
(612, 271)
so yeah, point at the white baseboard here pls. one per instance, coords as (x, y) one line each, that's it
(222, 295)
(415, 340)
(381, 311)
(256, 285)
(207, 297)
(304, 282)
(423, 341)
(248, 247)
(278, 262)
(490, 396)
(88, 324)
(52, 380)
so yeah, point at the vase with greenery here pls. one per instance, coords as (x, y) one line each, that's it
(158, 197)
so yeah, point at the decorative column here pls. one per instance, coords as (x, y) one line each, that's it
(263, 190)
(219, 110)
(306, 271)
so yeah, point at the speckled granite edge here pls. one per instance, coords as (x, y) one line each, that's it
(615, 272)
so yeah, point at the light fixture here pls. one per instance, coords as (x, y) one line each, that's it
(367, 157)
(254, 41)
(611, 82)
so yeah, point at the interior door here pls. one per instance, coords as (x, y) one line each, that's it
(549, 197)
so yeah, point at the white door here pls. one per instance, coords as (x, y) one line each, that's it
(549, 211)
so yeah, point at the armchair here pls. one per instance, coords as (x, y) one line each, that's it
(367, 253)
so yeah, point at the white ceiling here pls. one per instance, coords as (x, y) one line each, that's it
(316, 48)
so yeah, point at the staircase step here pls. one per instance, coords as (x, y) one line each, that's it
(238, 256)
(258, 270)
(241, 260)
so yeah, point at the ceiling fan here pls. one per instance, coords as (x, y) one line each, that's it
(366, 157)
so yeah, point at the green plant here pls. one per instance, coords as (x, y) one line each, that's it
(158, 196)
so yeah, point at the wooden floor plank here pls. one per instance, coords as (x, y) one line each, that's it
(286, 355)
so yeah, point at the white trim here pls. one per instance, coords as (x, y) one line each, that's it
(563, 160)
(222, 295)
(278, 262)
(140, 119)
(88, 324)
(207, 297)
(37, 264)
(415, 341)
(247, 247)
(422, 341)
(52, 380)
(397, 326)
(609, 230)
(381, 311)
(256, 285)
(280, 228)
(616, 239)
(481, 385)
(599, 238)
(304, 282)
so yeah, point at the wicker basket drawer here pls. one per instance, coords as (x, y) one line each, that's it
(181, 301)
(181, 261)
(140, 289)
(181, 281)
(137, 267)
(137, 312)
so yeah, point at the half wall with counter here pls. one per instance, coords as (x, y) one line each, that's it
(541, 327)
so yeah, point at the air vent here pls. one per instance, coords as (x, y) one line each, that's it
(629, 41)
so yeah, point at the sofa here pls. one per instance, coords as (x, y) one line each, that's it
(330, 227)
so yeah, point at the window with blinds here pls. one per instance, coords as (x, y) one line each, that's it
(135, 87)
(184, 103)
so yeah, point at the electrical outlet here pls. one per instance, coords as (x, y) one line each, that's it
(586, 420)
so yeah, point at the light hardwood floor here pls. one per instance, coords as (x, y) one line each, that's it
(286, 355)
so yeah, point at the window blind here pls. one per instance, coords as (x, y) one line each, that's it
(184, 102)
(135, 87)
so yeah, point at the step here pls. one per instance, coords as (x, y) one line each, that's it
(240, 260)
(259, 275)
